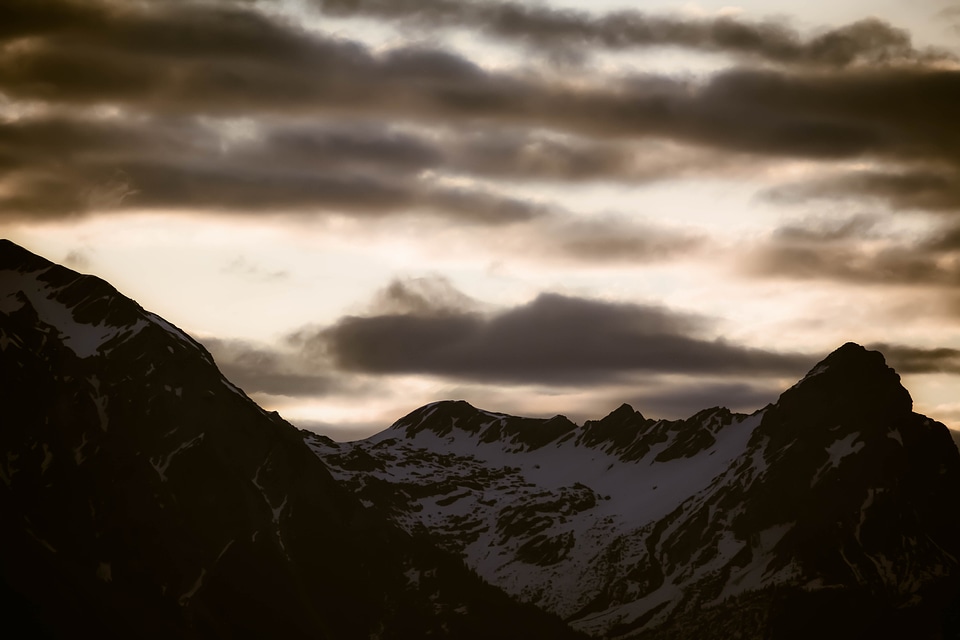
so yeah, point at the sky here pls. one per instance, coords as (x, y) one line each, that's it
(362, 206)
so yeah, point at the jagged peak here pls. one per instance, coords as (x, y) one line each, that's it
(461, 420)
(852, 387)
(849, 357)
(441, 415)
(623, 412)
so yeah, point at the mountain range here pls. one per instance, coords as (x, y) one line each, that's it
(145, 495)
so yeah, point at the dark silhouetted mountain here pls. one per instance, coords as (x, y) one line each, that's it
(142, 495)
(829, 514)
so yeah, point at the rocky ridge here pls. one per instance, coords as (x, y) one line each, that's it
(836, 498)
(144, 495)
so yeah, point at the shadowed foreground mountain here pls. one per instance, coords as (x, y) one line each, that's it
(142, 495)
(829, 514)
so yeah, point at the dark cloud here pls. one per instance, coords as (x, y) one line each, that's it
(161, 64)
(831, 229)
(946, 239)
(926, 189)
(427, 296)
(894, 265)
(869, 41)
(257, 368)
(607, 240)
(182, 29)
(235, 61)
(859, 250)
(553, 340)
(60, 167)
(907, 359)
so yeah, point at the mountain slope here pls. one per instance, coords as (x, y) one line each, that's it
(143, 495)
(837, 498)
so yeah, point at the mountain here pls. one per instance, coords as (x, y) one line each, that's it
(831, 513)
(143, 495)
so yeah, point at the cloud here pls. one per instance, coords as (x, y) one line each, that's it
(603, 240)
(554, 339)
(258, 368)
(427, 296)
(889, 266)
(244, 268)
(240, 30)
(78, 258)
(869, 41)
(930, 189)
(231, 61)
(858, 250)
(61, 167)
(908, 359)
(828, 230)
(945, 239)
(140, 102)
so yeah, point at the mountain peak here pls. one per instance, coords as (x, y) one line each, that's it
(623, 411)
(852, 387)
(859, 375)
(852, 354)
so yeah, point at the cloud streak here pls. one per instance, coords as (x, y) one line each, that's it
(859, 250)
(174, 98)
(245, 62)
(908, 359)
(923, 188)
(553, 339)
(258, 368)
(425, 326)
(869, 41)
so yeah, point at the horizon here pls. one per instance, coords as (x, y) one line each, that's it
(345, 436)
(540, 209)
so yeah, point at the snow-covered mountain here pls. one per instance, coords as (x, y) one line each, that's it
(831, 513)
(142, 495)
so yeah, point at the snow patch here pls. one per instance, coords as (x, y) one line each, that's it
(47, 459)
(224, 550)
(844, 447)
(78, 455)
(162, 464)
(836, 452)
(83, 339)
(185, 598)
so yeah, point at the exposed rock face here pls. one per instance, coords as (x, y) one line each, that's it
(831, 513)
(143, 495)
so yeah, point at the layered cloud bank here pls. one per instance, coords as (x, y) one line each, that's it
(663, 204)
